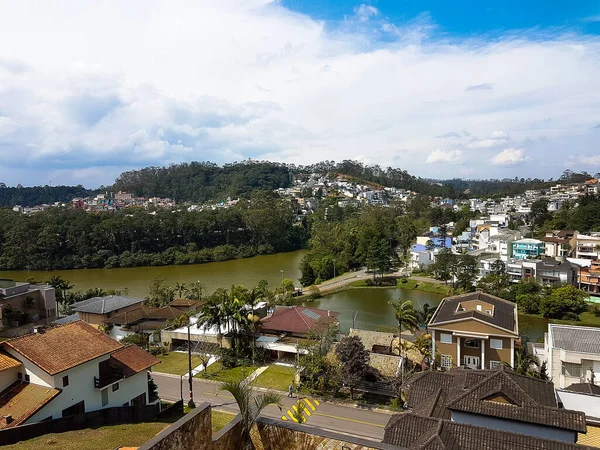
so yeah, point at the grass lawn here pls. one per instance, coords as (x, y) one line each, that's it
(276, 377)
(586, 319)
(424, 286)
(217, 372)
(220, 419)
(175, 363)
(103, 438)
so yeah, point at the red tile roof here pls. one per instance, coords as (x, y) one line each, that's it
(8, 362)
(133, 359)
(63, 347)
(297, 319)
(23, 400)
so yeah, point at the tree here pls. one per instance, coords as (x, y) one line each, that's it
(425, 315)
(181, 289)
(528, 303)
(466, 273)
(407, 233)
(494, 284)
(308, 274)
(212, 316)
(407, 318)
(563, 301)
(251, 405)
(354, 359)
(444, 265)
(159, 294)
(539, 213)
(61, 287)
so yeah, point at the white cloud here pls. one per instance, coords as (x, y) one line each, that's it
(590, 160)
(155, 82)
(448, 156)
(509, 157)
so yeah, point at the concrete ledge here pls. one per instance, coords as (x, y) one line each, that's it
(227, 428)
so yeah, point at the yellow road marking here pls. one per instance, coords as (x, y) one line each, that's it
(283, 418)
(295, 409)
(307, 401)
(350, 420)
(307, 412)
(292, 416)
(316, 402)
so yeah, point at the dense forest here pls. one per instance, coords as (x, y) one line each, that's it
(38, 195)
(203, 181)
(64, 238)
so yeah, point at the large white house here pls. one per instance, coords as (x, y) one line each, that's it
(67, 370)
(572, 354)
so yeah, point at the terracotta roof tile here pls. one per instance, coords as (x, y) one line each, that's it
(133, 359)
(60, 348)
(8, 362)
(22, 400)
(297, 319)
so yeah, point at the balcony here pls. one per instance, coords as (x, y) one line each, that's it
(115, 375)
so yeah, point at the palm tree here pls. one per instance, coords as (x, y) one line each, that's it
(406, 317)
(251, 405)
(212, 316)
(61, 287)
(180, 288)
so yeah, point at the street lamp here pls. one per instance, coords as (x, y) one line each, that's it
(281, 270)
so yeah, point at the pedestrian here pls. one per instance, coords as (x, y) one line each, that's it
(291, 391)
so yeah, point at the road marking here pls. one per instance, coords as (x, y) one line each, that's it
(350, 420)
(316, 402)
(307, 401)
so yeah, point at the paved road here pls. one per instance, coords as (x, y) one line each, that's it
(352, 420)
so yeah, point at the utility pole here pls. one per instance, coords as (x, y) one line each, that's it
(191, 403)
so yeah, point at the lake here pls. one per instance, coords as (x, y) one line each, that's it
(247, 272)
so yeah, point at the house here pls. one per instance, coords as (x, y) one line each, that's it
(556, 271)
(588, 247)
(502, 243)
(476, 330)
(22, 303)
(69, 369)
(572, 354)
(97, 310)
(289, 326)
(527, 248)
(187, 305)
(589, 277)
(497, 409)
(560, 243)
(583, 397)
(143, 319)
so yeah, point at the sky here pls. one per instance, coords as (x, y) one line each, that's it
(442, 89)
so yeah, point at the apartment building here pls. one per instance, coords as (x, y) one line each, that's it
(527, 248)
(588, 246)
(475, 330)
(560, 243)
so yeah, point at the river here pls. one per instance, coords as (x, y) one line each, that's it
(372, 304)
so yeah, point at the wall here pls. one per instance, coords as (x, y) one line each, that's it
(473, 326)
(589, 404)
(36, 375)
(514, 427)
(8, 377)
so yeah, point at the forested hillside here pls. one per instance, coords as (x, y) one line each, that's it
(31, 196)
(204, 181)
(65, 238)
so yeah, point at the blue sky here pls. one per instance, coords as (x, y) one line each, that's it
(475, 89)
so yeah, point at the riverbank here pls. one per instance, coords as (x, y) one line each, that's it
(586, 319)
(360, 280)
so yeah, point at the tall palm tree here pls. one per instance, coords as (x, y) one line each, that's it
(251, 406)
(180, 288)
(212, 316)
(407, 318)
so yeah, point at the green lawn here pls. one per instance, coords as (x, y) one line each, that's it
(276, 377)
(220, 419)
(217, 372)
(175, 363)
(586, 319)
(103, 438)
(436, 288)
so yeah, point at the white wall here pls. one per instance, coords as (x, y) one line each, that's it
(36, 375)
(117, 333)
(589, 404)
(514, 426)
(8, 377)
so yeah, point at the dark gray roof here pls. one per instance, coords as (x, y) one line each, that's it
(103, 305)
(67, 319)
(584, 388)
(504, 311)
(575, 339)
(423, 433)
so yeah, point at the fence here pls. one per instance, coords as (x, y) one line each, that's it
(108, 416)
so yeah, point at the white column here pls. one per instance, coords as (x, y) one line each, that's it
(482, 353)
(512, 353)
(433, 345)
(458, 363)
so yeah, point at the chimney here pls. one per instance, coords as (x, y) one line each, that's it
(6, 420)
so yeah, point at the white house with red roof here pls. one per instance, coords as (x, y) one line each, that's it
(67, 370)
(288, 327)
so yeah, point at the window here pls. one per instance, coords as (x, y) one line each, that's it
(115, 387)
(446, 338)
(65, 380)
(472, 343)
(494, 364)
(20, 376)
(496, 343)
(446, 361)
(571, 369)
(27, 378)
(104, 397)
